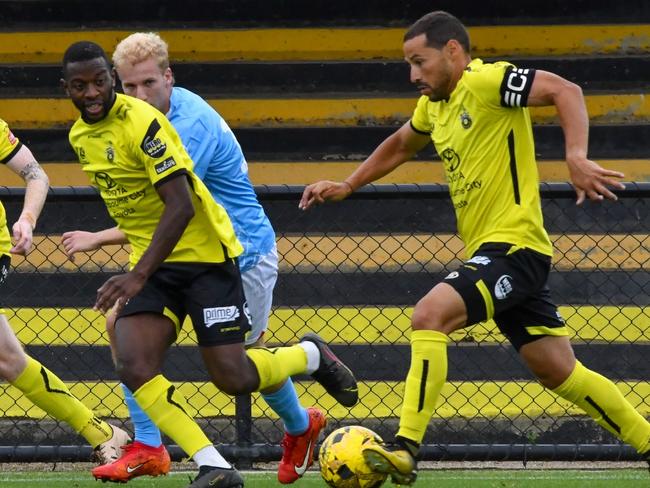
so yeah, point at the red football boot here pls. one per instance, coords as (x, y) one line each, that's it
(298, 452)
(137, 459)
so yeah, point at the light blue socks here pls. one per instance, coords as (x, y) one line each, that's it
(285, 403)
(146, 431)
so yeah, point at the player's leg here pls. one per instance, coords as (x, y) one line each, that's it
(552, 360)
(146, 455)
(436, 315)
(49, 393)
(302, 426)
(215, 301)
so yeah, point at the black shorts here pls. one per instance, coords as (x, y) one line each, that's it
(211, 294)
(509, 285)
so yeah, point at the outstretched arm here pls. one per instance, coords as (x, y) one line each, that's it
(589, 179)
(396, 149)
(37, 184)
(76, 241)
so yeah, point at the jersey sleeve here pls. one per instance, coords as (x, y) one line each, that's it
(420, 121)
(9, 143)
(162, 152)
(502, 85)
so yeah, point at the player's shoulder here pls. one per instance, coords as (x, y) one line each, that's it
(478, 69)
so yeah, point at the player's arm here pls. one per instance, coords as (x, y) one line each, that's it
(174, 191)
(81, 241)
(37, 183)
(396, 149)
(589, 179)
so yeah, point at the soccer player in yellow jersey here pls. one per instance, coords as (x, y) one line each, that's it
(37, 383)
(182, 262)
(476, 115)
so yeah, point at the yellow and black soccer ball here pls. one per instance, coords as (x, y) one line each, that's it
(341, 459)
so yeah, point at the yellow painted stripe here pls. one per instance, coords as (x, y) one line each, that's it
(26, 113)
(377, 399)
(345, 325)
(393, 252)
(305, 172)
(345, 44)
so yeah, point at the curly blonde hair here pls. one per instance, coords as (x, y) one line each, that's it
(139, 47)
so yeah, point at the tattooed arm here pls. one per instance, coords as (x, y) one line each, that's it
(37, 184)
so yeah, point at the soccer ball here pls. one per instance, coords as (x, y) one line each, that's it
(341, 459)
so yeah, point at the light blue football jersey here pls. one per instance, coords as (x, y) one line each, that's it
(220, 163)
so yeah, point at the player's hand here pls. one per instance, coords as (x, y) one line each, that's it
(23, 237)
(592, 181)
(117, 291)
(324, 191)
(78, 241)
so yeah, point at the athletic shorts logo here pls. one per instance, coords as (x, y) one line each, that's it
(484, 260)
(219, 315)
(503, 287)
(452, 275)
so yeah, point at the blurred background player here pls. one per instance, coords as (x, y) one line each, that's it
(178, 268)
(142, 64)
(40, 385)
(476, 114)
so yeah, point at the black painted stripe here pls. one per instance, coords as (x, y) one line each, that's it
(513, 167)
(628, 73)
(582, 287)
(251, 13)
(602, 412)
(355, 143)
(370, 362)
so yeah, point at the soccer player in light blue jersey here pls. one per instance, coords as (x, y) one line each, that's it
(142, 63)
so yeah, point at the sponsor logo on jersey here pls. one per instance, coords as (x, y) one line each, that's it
(451, 159)
(104, 181)
(165, 165)
(151, 144)
(219, 315)
(503, 287)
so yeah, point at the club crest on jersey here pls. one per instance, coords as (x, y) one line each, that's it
(465, 120)
(110, 154)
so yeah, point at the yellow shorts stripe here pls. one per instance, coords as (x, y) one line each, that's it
(487, 298)
(540, 330)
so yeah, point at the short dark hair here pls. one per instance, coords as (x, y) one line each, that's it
(83, 51)
(439, 27)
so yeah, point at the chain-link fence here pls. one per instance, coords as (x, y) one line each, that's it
(352, 272)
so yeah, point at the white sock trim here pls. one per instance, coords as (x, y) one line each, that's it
(313, 356)
(209, 456)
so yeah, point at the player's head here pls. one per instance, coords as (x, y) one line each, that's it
(142, 63)
(437, 49)
(88, 80)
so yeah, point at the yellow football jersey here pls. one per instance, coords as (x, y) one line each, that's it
(130, 152)
(9, 146)
(484, 137)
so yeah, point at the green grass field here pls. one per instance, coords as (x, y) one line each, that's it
(618, 478)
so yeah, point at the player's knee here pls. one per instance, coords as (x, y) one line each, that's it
(236, 382)
(424, 318)
(132, 374)
(12, 363)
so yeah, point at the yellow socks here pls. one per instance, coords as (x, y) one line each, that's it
(603, 401)
(50, 394)
(274, 365)
(425, 379)
(167, 407)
